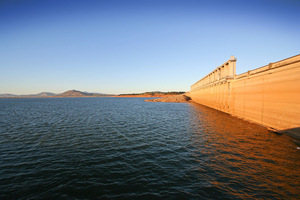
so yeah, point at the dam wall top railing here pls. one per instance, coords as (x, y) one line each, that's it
(227, 72)
(221, 74)
(269, 67)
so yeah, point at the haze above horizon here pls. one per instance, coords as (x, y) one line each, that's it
(135, 46)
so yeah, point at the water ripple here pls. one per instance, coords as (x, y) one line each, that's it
(125, 148)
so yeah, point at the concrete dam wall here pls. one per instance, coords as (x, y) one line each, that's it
(269, 95)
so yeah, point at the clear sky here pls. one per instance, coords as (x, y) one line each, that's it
(126, 46)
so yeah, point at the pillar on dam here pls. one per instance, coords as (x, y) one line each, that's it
(232, 67)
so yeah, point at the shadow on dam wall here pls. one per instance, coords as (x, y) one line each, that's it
(269, 95)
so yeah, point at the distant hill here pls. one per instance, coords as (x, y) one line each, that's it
(45, 94)
(42, 94)
(8, 95)
(76, 93)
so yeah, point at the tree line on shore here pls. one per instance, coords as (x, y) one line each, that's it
(154, 93)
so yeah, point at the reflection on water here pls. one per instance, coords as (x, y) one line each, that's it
(246, 159)
(125, 148)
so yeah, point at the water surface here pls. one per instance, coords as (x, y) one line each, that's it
(125, 148)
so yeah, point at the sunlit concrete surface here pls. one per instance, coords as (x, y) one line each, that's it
(269, 95)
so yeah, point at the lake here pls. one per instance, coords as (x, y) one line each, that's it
(125, 148)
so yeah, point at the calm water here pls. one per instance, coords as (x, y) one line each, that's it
(125, 148)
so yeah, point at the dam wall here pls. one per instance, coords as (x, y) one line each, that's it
(269, 95)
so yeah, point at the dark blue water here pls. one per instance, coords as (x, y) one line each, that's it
(125, 148)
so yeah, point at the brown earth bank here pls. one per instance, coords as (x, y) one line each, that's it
(144, 95)
(182, 98)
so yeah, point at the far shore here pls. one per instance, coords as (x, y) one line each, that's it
(127, 96)
(77, 93)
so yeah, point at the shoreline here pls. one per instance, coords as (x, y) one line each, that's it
(126, 96)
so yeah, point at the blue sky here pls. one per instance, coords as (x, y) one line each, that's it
(127, 46)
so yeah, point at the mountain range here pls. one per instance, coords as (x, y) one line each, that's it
(69, 93)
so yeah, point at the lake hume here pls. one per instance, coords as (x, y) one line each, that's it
(125, 148)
